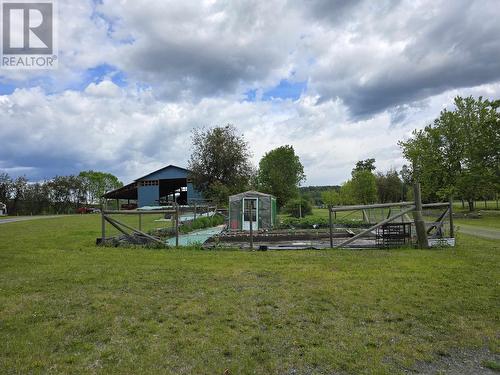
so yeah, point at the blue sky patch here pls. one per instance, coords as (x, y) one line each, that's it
(284, 90)
(98, 74)
(7, 87)
(49, 86)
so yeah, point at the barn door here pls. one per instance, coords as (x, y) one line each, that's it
(250, 213)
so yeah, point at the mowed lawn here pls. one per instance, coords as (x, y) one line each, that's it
(67, 306)
(488, 219)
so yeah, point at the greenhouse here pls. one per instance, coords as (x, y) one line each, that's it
(252, 209)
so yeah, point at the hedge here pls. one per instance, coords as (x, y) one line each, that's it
(201, 223)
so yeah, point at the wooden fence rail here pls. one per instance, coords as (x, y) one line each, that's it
(407, 207)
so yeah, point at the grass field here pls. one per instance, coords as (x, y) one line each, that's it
(478, 205)
(488, 219)
(67, 306)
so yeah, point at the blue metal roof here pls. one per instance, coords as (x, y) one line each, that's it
(166, 173)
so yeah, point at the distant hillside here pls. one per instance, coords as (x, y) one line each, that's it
(314, 192)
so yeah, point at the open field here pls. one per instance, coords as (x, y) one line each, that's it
(149, 221)
(67, 306)
(479, 205)
(488, 219)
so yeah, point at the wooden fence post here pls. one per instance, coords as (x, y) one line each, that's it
(177, 225)
(331, 225)
(419, 220)
(103, 228)
(452, 229)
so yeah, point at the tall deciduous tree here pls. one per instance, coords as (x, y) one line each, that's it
(406, 179)
(347, 193)
(6, 187)
(459, 154)
(220, 162)
(389, 187)
(280, 173)
(364, 186)
(365, 165)
(20, 185)
(95, 185)
(331, 197)
(65, 192)
(62, 194)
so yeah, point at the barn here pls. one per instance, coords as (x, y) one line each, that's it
(168, 184)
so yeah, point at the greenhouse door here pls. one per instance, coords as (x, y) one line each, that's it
(250, 207)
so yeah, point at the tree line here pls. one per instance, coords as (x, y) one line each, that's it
(60, 195)
(367, 186)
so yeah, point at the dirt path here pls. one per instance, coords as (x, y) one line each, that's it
(460, 362)
(484, 232)
(25, 218)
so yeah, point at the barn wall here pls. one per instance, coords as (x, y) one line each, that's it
(192, 193)
(148, 195)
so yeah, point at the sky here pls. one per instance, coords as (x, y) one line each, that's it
(339, 80)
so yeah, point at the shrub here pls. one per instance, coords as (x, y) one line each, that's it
(201, 223)
(320, 222)
(298, 206)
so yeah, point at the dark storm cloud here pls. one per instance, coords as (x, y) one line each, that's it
(383, 54)
(203, 70)
(198, 50)
(456, 47)
(339, 12)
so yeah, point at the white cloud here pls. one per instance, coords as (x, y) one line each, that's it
(130, 133)
(392, 64)
(105, 88)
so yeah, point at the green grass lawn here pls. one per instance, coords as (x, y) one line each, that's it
(488, 219)
(148, 222)
(67, 306)
(479, 205)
